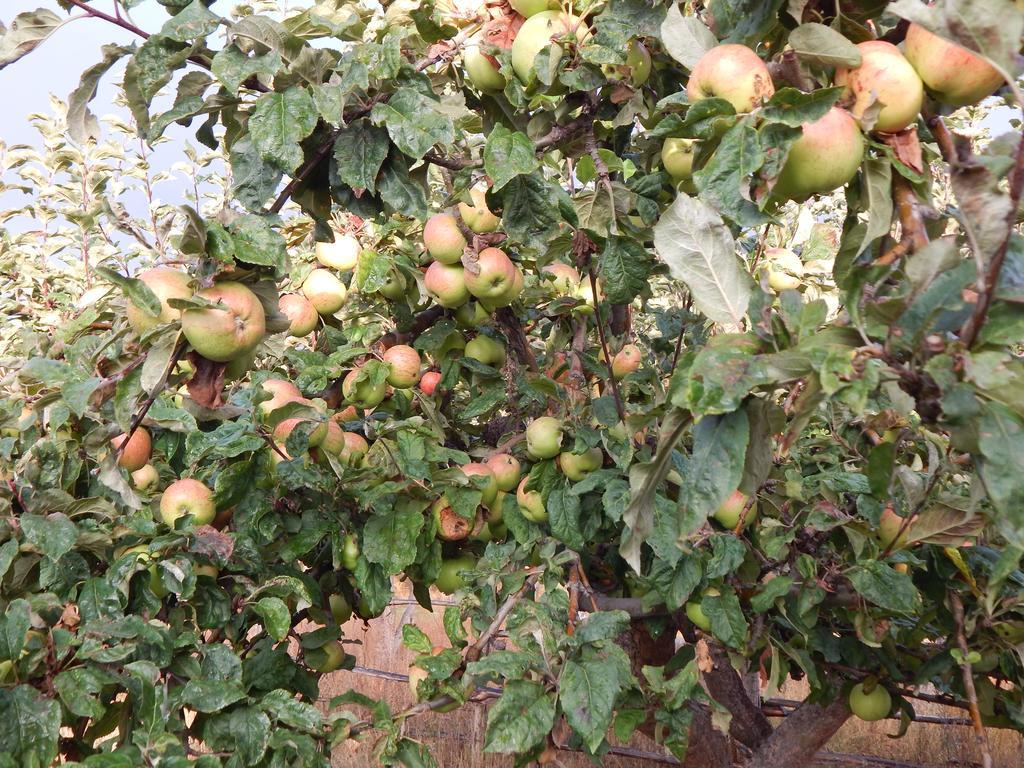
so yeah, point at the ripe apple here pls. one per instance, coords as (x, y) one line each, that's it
(734, 73)
(429, 382)
(449, 578)
(302, 315)
(494, 275)
(482, 69)
(136, 452)
(626, 360)
(334, 438)
(145, 476)
(889, 525)
(478, 216)
(166, 283)
(341, 610)
(538, 32)
(450, 526)
(281, 392)
(825, 157)
(953, 74)
(490, 489)
(637, 68)
(506, 470)
(365, 394)
(576, 466)
(285, 428)
(509, 295)
(486, 350)
(531, 503)
(870, 706)
(447, 284)
(187, 497)
(544, 437)
(325, 291)
(355, 449)
(327, 658)
(443, 239)
(728, 514)
(395, 287)
(342, 254)
(695, 613)
(405, 366)
(677, 158)
(785, 269)
(564, 278)
(886, 77)
(229, 331)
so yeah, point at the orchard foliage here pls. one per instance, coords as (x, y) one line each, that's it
(672, 378)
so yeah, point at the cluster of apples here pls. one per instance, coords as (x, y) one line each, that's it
(322, 292)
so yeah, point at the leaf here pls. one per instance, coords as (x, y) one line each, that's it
(1001, 465)
(563, 508)
(792, 107)
(29, 726)
(245, 730)
(604, 625)
(279, 122)
(257, 242)
(416, 122)
(277, 619)
(624, 265)
(53, 535)
(685, 38)
(824, 46)
(253, 180)
(389, 540)
(136, 291)
(726, 615)
(400, 191)
(149, 70)
(587, 691)
(531, 213)
(744, 21)
(359, 152)
(285, 708)
(211, 695)
(508, 154)
(725, 181)
(82, 124)
(233, 67)
(520, 719)
(14, 627)
(188, 103)
(887, 588)
(699, 249)
(715, 466)
(27, 31)
(194, 21)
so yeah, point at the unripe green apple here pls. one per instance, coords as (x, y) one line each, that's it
(627, 360)
(785, 269)
(636, 69)
(510, 294)
(405, 366)
(447, 284)
(482, 69)
(506, 470)
(302, 315)
(137, 451)
(325, 291)
(326, 658)
(366, 393)
(395, 287)
(492, 274)
(952, 73)
(889, 525)
(728, 514)
(734, 73)
(341, 610)
(449, 578)
(825, 157)
(538, 32)
(528, 8)
(471, 315)
(870, 706)
(695, 613)
(342, 254)
(187, 497)
(544, 437)
(884, 76)
(206, 570)
(677, 158)
(486, 350)
(490, 489)
(167, 284)
(450, 525)
(229, 331)
(350, 552)
(531, 503)
(478, 216)
(443, 239)
(145, 476)
(576, 466)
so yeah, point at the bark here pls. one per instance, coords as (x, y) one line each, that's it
(799, 737)
(749, 726)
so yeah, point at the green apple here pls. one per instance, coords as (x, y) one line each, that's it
(325, 291)
(443, 239)
(490, 488)
(285, 427)
(486, 350)
(506, 470)
(405, 366)
(564, 279)
(230, 330)
(478, 216)
(952, 73)
(636, 69)
(734, 73)
(187, 497)
(538, 32)
(544, 437)
(145, 476)
(728, 514)
(302, 315)
(491, 275)
(449, 579)
(167, 284)
(342, 254)
(576, 466)
(785, 269)
(530, 8)
(482, 69)
(884, 77)
(350, 552)
(396, 286)
(531, 503)
(889, 525)
(825, 157)
(365, 393)
(695, 613)
(870, 706)
(510, 294)
(677, 158)
(326, 658)
(341, 611)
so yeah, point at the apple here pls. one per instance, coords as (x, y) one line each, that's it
(626, 360)
(334, 438)
(889, 525)
(136, 452)
(405, 366)
(531, 503)
(493, 276)
(395, 287)
(341, 610)
(355, 449)
(544, 437)
(586, 292)
(450, 526)
(482, 69)
(167, 284)
(677, 158)
(510, 294)
(565, 279)
(825, 157)
(429, 382)
(538, 32)
(187, 497)
(953, 74)
(636, 69)
(447, 284)
(229, 331)
(416, 676)
(695, 613)
(576, 466)
(325, 291)
(785, 269)
(478, 216)
(449, 578)
(490, 489)
(728, 513)
(327, 658)
(884, 77)
(366, 393)
(506, 470)
(302, 315)
(281, 392)
(207, 570)
(350, 552)
(285, 428)
(342, 254)
(348, 413)
(734, 73)
(486, 350)
(870, 706)
(443, 239)
(528, 8)
(145, 476)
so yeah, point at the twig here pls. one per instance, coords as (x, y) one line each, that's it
(957, 607)
(474, 651)
(619, 407)
(179, 350)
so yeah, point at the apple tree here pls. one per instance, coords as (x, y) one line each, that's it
(679, 341)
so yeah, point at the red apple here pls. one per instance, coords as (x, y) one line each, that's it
(281, 392)
(506, 470)
(490, 490)
(478, 217)
(302, 315)
(734, 73)
(884, 77)
(443, 239)
(564, 279)
(447, 284)
(405, 366)
(626, 361)
(231, 330)
(187, 497)
(429, 382)
(137, 451)
(450, 526)
(493, 275)
(953, 74)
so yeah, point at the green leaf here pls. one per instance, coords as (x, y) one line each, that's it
(389, 540)
(401, 191)
(604, 625)
(149, 70)
(285, 708)
(727, 554)
(508, 154)
(194, 21)
(686, 38)
(253, 180)
(257, 242)
(79, 687)
(416, 122)
(564, 516)
(520, 718)
(769, 592)
(245, 730)
(1001, 444)
(188, 103)
(53, 535)
(279, 122)
(29, 726)
(587, 691)
(359, 152)
(793, 107)
(136, 291)
(531, 213)
(233, 67)
(27, 31)
(82, 124)
(744, 21)
(624, 265)
(211, 695)
(715, 466)
(725, 181)
(277, 619)
(699, 250)
(416, 640)
(824, 46)
(887, 588)
(726, 615)
(14, 627)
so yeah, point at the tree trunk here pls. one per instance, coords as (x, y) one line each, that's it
(799, 737)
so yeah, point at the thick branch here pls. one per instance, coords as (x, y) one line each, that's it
(517, 341)
(799, 737)
(749, 726)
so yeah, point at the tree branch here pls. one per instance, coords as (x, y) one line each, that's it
(799, 737)
(516, 337)
(749, 726)
(179, 350)
(957, 608)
